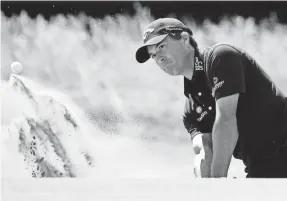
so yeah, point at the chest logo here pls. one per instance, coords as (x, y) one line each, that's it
(202, 116)
(198, 64)
(198, 109)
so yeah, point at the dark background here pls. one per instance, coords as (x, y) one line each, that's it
(199, 10)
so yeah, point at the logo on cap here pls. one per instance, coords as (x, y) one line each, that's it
(174, 29)
(147, 32)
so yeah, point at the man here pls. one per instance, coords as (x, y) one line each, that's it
(251, 112)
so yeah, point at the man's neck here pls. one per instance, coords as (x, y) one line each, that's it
(189, 65)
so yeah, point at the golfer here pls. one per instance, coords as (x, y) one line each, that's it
(250, 110)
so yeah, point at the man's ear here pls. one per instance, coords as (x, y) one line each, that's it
(185, 37)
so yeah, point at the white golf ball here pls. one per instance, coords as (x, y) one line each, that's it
(17, 67)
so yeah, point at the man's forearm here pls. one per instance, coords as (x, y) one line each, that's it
(202, 164)
(206, 163)
(224, 137)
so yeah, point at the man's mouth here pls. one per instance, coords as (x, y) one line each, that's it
(168, 63)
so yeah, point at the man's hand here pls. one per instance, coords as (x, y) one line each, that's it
(202, 146)
(224, 135)
(198, 161)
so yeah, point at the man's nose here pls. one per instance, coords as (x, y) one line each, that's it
(160, 59)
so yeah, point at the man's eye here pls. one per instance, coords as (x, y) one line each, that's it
(161, 46)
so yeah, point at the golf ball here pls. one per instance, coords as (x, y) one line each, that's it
(17, 67)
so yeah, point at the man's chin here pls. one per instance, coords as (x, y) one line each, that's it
(174, 73)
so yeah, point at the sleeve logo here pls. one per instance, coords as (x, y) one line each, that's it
(217, 85)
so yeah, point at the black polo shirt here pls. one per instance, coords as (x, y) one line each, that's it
(262, 107)
(199, 109)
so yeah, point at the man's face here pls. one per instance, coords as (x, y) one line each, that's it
(169, 55)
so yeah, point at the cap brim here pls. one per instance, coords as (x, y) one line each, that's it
(142, 54)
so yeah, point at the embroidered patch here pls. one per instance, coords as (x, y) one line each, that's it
(202, 116)
(198, 64)
(198, 109)
(217, 86)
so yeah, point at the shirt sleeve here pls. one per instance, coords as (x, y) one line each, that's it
(196, 122)
(226, 72)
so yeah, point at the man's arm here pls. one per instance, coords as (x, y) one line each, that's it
(200, 131)
(224, 135)
(226, 74)
(202, 145)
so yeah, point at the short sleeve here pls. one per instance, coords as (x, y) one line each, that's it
(197, 118)
(226, 72)
(189, 120)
